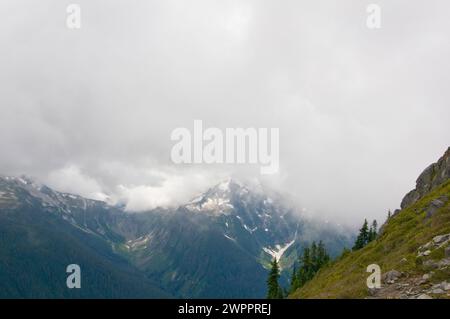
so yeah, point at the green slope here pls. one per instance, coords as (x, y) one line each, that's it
(37, 246)
(395, 248)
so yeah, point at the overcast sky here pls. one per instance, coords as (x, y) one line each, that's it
(361, 112)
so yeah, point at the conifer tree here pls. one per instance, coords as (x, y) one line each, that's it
(324, 258)
(363, 237)
(306, 266)
(373, 231)
(294, 281)
(312, 259)
(274, 290)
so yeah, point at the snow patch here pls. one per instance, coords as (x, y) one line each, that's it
(278, 251)
(250, 230)
(139, 243)
(196, 199)
(217, 205)
(70, 196)
(230, 238)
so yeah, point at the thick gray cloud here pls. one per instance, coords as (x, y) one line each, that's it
(361, 112)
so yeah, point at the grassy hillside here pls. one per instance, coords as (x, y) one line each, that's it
(395, 248)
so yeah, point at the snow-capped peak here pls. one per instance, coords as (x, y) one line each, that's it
(22, 180)
(225, 185)
(218, 199)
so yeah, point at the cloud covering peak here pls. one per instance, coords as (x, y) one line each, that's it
(361, 112)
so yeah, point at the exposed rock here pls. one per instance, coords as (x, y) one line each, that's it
(373, 291)
(431, 210)
(437, 291)
(447, 251)
(437, 242)
(410, 292)
(421, 281)
(433, 176)
(441, 239)
(445, 285)
(410, 198)
(391, 276)
(395, 213)
(443, 263)
(427, 276)
(423, 253)
(407, 286)
(437, 203)
(431, 264)
(426, 246)
(442, 286)
(436, 286)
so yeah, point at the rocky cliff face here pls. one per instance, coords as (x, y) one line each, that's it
(433, 176)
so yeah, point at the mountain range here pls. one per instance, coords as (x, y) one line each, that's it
(219, 245)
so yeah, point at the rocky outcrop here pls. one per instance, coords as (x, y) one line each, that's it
(433, 176)
(411, 287)
(435, 205)
(414, 285)
(437, 242)
(391, 276)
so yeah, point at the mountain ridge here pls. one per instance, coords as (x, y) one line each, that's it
(37, 244)
(193, 249)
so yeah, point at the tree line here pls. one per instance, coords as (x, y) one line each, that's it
(310, 261)
(366, 234)
(313, 258)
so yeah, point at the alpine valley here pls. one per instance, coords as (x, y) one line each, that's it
(219, 245)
